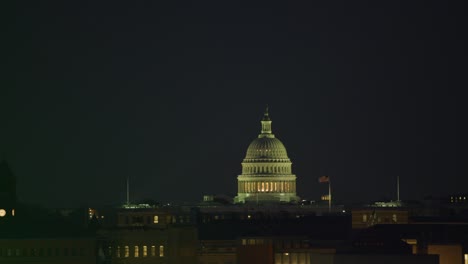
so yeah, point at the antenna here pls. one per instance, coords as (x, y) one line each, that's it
(128, 189)
(398, 188)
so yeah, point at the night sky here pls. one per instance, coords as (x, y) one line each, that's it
(172, 95)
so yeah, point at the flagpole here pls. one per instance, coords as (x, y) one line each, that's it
(329, 195)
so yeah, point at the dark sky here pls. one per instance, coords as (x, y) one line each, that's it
(172, 95)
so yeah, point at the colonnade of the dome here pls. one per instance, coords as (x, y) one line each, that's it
(267, 186)
(266, 168)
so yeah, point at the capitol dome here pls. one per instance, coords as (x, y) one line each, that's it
(266, 148)
(266, 170)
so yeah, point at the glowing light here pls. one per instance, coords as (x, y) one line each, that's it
(2, 212)
(156, 219)
(286, 254)
(127, 252)
(137, 251)
(161, 251)
(12, 212)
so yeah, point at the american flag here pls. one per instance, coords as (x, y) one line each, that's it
(323, 179)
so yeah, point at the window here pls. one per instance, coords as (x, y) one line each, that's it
(117, 252)
(127, 252)
(145, 251)
(155, 219)
(394, 218)
(136, 251)
(364, 218)
(57, 252)
(153, 251)
(161, 251)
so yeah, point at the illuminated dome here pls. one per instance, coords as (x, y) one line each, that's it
(266, 170)
(266, 148)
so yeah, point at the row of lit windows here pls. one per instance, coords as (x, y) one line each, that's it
(455, 199)
(139, 219)
(42, 252)
(137, 251)
(294, 257)
(246, 186)
(364, 218)
(266, 169)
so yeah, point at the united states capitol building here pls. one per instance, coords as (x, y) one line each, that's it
(266, 170)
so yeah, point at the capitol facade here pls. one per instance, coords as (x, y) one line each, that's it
(266, 170)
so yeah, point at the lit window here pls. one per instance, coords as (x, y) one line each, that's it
(136, 251)
(117, 252)
(364, 218)
(2, 212)
(161, 251)
(394, 218)
(13, 211)
(155, 219)
(466, 258)
(127, 252)
(153, 251)
(145, 251)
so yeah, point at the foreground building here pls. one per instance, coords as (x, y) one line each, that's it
(266, 170)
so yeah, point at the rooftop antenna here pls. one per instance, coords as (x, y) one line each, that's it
(128, 190)
(398, 188)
